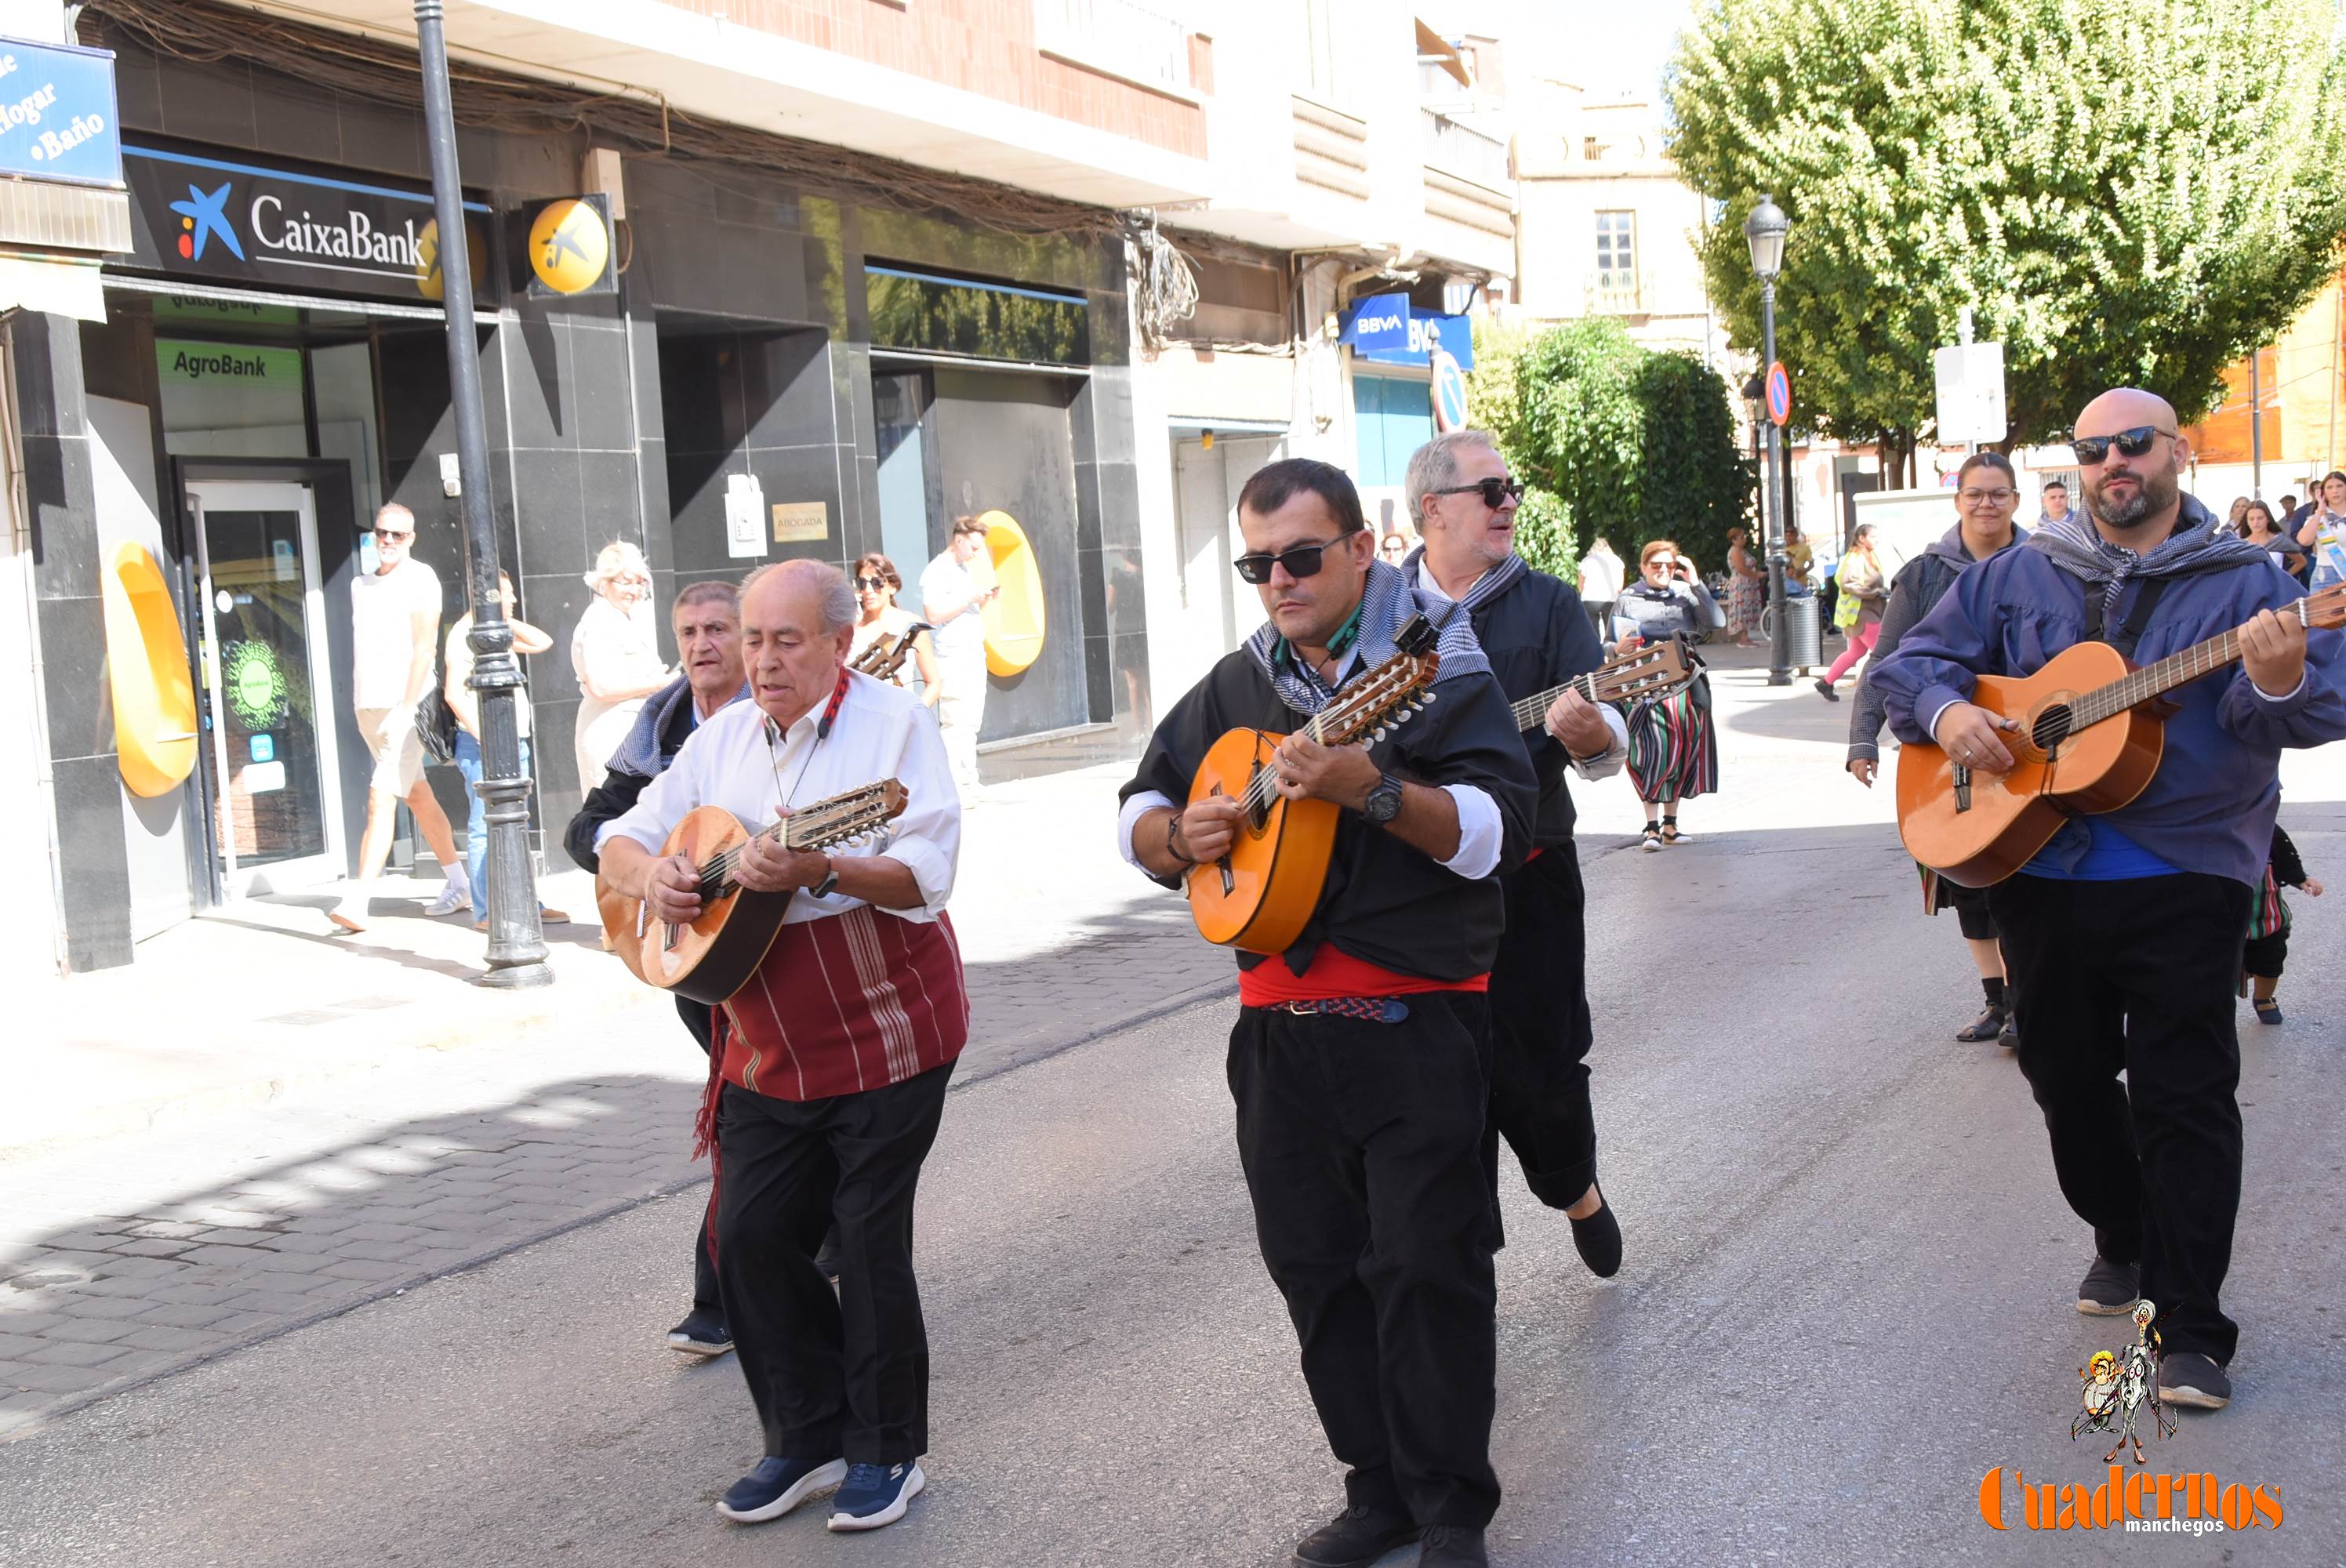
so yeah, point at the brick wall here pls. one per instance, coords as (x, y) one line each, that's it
(985, 47)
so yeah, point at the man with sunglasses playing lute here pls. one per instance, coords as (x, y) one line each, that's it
(1361, 1059)
(1536, 637)
(2122, 935)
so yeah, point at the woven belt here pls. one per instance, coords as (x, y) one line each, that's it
(1367, 1009)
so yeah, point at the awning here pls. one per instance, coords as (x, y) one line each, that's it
(52, 286)
(1433, 49)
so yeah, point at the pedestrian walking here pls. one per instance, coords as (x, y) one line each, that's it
(1601, 575)
(1538, 639)
(2323, 534)
(707, 620)
(2124, 933)
(2269, 920)
(2258, 527)
(1864, 596)
(1987, 494)
(394, 634)
(820, 1114)
(1747, 589)
(1673, 748)
(465, 703)
(614, 653)
(877, 584)
(1361, 1060)
(952, 603)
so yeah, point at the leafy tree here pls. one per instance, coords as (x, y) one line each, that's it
(1610, 438)
(2125, 192)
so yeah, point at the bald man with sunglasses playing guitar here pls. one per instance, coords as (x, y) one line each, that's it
(2122, 935)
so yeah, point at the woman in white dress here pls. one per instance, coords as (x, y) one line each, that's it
(616, 653)
(877, 584)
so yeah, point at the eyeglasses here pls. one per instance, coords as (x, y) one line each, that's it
(1664, 561)
(1302, 561)
(1495, 492)
(1991, 497)
(2092, 449)
(870, 585)
(390, 537)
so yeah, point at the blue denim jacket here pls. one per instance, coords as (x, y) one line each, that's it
(2211, 807)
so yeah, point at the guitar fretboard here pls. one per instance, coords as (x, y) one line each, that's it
(2152, 680)
(1531, 712)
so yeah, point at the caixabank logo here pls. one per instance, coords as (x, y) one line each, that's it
(203, 218)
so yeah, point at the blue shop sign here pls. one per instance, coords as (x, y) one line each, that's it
(1389, 329)
(56, 113)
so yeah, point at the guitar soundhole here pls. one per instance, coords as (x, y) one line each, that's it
(2050, 727)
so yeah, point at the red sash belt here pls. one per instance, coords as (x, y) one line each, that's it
(1338, 974)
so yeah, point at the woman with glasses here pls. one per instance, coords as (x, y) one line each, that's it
(1865, 595)
(1673, 750)
(1747, 589)
(2258, 527)
(877, 584)
(2323, 533)
(1987, 496)
(616, 653)
(1393, 547)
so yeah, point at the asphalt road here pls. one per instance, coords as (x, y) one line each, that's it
(1848, 1296)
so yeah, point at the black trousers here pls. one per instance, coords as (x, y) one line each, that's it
(1541, 1032)
(2137, 977)
(843, 1376)
(2266, 956)
(1362, 1144)
(696, 1016)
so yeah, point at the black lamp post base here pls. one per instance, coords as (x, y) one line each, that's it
(1779, 678)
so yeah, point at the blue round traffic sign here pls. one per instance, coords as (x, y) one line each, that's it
(1449, 393)
(1780, 393)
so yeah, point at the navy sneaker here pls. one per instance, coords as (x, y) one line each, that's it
(875, 1495)
(702, 1333)
(778, 1485)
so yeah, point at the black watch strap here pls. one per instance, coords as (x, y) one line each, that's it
(1383, 803)
(830, 883)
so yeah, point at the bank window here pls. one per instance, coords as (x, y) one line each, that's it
(1617, 261)
(1392, 416)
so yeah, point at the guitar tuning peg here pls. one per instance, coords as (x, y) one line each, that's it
(1377, 734)
(1429, 697)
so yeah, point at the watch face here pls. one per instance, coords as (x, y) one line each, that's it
(1385, 802)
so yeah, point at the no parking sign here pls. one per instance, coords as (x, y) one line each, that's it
(1449, 392)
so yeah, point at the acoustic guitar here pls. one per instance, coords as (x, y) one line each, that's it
(886, 657)
(714, 956)
(2089, 741)
(1261, 895)
(1656, 669)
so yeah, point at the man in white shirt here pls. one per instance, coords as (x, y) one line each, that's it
(828, 1079)
(952, 603)
(394, 631)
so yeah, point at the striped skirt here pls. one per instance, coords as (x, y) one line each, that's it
(1673, 750)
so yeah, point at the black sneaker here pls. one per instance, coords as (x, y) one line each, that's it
(2108, 1289)
(778, 1485)
(1598, 1239)
(1988, 1026)
(2188, 1378)
(702, 1333)
(1825, 690)
(1452, 1546)
(1354, 1538)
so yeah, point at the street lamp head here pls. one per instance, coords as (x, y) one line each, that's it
(1764, 231)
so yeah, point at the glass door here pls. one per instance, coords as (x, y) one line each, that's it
(267, 704)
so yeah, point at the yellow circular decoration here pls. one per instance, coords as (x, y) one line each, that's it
(428, 281)
(1015, 621)
(146, 671)
(568, 247)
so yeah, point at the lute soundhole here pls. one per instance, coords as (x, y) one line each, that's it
(2050, 728)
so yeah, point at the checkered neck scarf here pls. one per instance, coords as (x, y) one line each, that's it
(1387, 603)
(2078, 548)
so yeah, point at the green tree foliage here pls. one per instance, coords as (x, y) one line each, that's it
(2125, 192)
(1610, 438)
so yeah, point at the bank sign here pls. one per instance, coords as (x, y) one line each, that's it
(1390, 330)
(56, 113)
(200, 217)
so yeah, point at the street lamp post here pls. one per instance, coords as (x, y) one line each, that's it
(517, 955)
(1765, 231)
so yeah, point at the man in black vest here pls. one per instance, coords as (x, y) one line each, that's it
(1361, 1060)
(1536, 637)
(708, 624)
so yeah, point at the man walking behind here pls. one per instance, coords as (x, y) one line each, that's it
(2123, 935)
(951, 602)
(394, 633)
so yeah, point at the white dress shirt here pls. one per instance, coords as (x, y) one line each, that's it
(882, 732)
(1481, 834)
(1606, 763)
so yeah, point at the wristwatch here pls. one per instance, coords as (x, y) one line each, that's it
(823, 889)
(1383, 803)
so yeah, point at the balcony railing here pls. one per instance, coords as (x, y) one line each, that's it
(1461, 150)
(1117, 38)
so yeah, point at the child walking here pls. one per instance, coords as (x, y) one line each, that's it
(2268, 923)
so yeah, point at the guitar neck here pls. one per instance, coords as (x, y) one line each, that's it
(1531, 712)
(2153, 681)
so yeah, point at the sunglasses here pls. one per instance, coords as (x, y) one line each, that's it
(1494, 492)
(2092, 449)
(388, 537)
(1303, 561)
(870, 585)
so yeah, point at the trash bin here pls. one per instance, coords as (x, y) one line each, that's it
(1804, 646)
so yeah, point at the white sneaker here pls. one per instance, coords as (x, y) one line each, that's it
(454, 897)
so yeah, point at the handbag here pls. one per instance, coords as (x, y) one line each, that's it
(435, 721)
